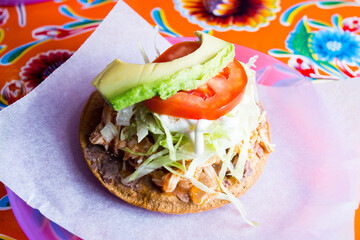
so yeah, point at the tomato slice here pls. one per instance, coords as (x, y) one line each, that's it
(178, 50)
(212, 100)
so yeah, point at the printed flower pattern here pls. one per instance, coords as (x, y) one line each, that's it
(13, 91)
(4, 15)
(36, 70)
(41, 66)
(351, 24)
(4, 203)
(331, 44)
(303, 65)
(224, 15)
(324, 51)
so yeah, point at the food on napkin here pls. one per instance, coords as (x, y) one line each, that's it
(184, 134)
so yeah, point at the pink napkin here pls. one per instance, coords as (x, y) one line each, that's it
(308, 190)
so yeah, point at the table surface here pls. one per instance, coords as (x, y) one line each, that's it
(320, 39)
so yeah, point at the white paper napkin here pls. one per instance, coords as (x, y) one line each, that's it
(309, 188)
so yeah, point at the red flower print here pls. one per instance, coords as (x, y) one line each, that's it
(41, 66)
(13, 91)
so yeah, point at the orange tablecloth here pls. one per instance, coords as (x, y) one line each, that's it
(318, 38)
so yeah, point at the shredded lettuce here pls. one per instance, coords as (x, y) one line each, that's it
(146, 120)
(143, 53)
(109, 131)
(252, 60)
(178, 145)
(230, 197)
(196, 162)
(152, 149)
(124, 133)
(156, 32)
(146, 167)
(124, 115)
(169, 138)
(240, 165)
(141, 131)
(226, 162)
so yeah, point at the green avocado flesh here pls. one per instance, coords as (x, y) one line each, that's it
(124, 84)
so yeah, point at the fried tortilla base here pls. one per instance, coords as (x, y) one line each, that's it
(143, 192)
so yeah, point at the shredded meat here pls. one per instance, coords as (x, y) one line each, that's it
(117, 145)
(207, 174)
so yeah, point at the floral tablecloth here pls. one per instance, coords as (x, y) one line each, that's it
(320, 39)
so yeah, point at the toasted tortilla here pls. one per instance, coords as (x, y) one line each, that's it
(143, 192)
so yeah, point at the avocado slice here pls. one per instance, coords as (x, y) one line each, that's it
(124, 84)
